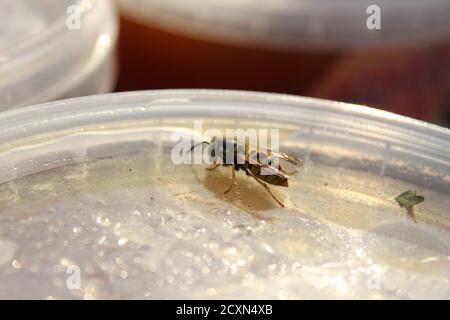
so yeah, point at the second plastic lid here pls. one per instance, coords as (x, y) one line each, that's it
(300, 23)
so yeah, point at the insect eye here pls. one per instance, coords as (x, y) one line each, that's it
(213, 152)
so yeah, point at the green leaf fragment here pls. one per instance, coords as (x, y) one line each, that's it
(409, 199)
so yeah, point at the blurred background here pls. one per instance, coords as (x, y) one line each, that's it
(391, 55)
(327, 49)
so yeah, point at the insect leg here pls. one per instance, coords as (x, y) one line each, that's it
(412, 215)
(265, 187)
(213, 167)
(233, 176)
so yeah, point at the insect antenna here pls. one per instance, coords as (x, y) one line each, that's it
(199, 144)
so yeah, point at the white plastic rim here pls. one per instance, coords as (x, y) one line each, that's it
(298, 24)
(56, 58)
(393, 145)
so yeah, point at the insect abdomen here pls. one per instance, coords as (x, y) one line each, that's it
(274, 179)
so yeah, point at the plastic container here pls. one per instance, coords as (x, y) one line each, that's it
(314, 48)
(93, 207)
(297, 24)
(52, 50)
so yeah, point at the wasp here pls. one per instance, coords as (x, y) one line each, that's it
(258, 164)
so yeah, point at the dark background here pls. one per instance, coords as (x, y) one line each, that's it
(410, 81)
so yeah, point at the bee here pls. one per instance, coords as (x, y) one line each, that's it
(257, 163)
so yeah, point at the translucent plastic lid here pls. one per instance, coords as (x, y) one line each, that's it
(299, 23)
(48, 47)
(93, 206)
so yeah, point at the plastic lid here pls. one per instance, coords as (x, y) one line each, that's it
(45, 54)
(326, 24)
(88, 184)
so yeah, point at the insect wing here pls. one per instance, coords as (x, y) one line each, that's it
(291, 159)
(267, 169)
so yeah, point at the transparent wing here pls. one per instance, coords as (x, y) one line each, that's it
(271, 170)
(291, 159)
